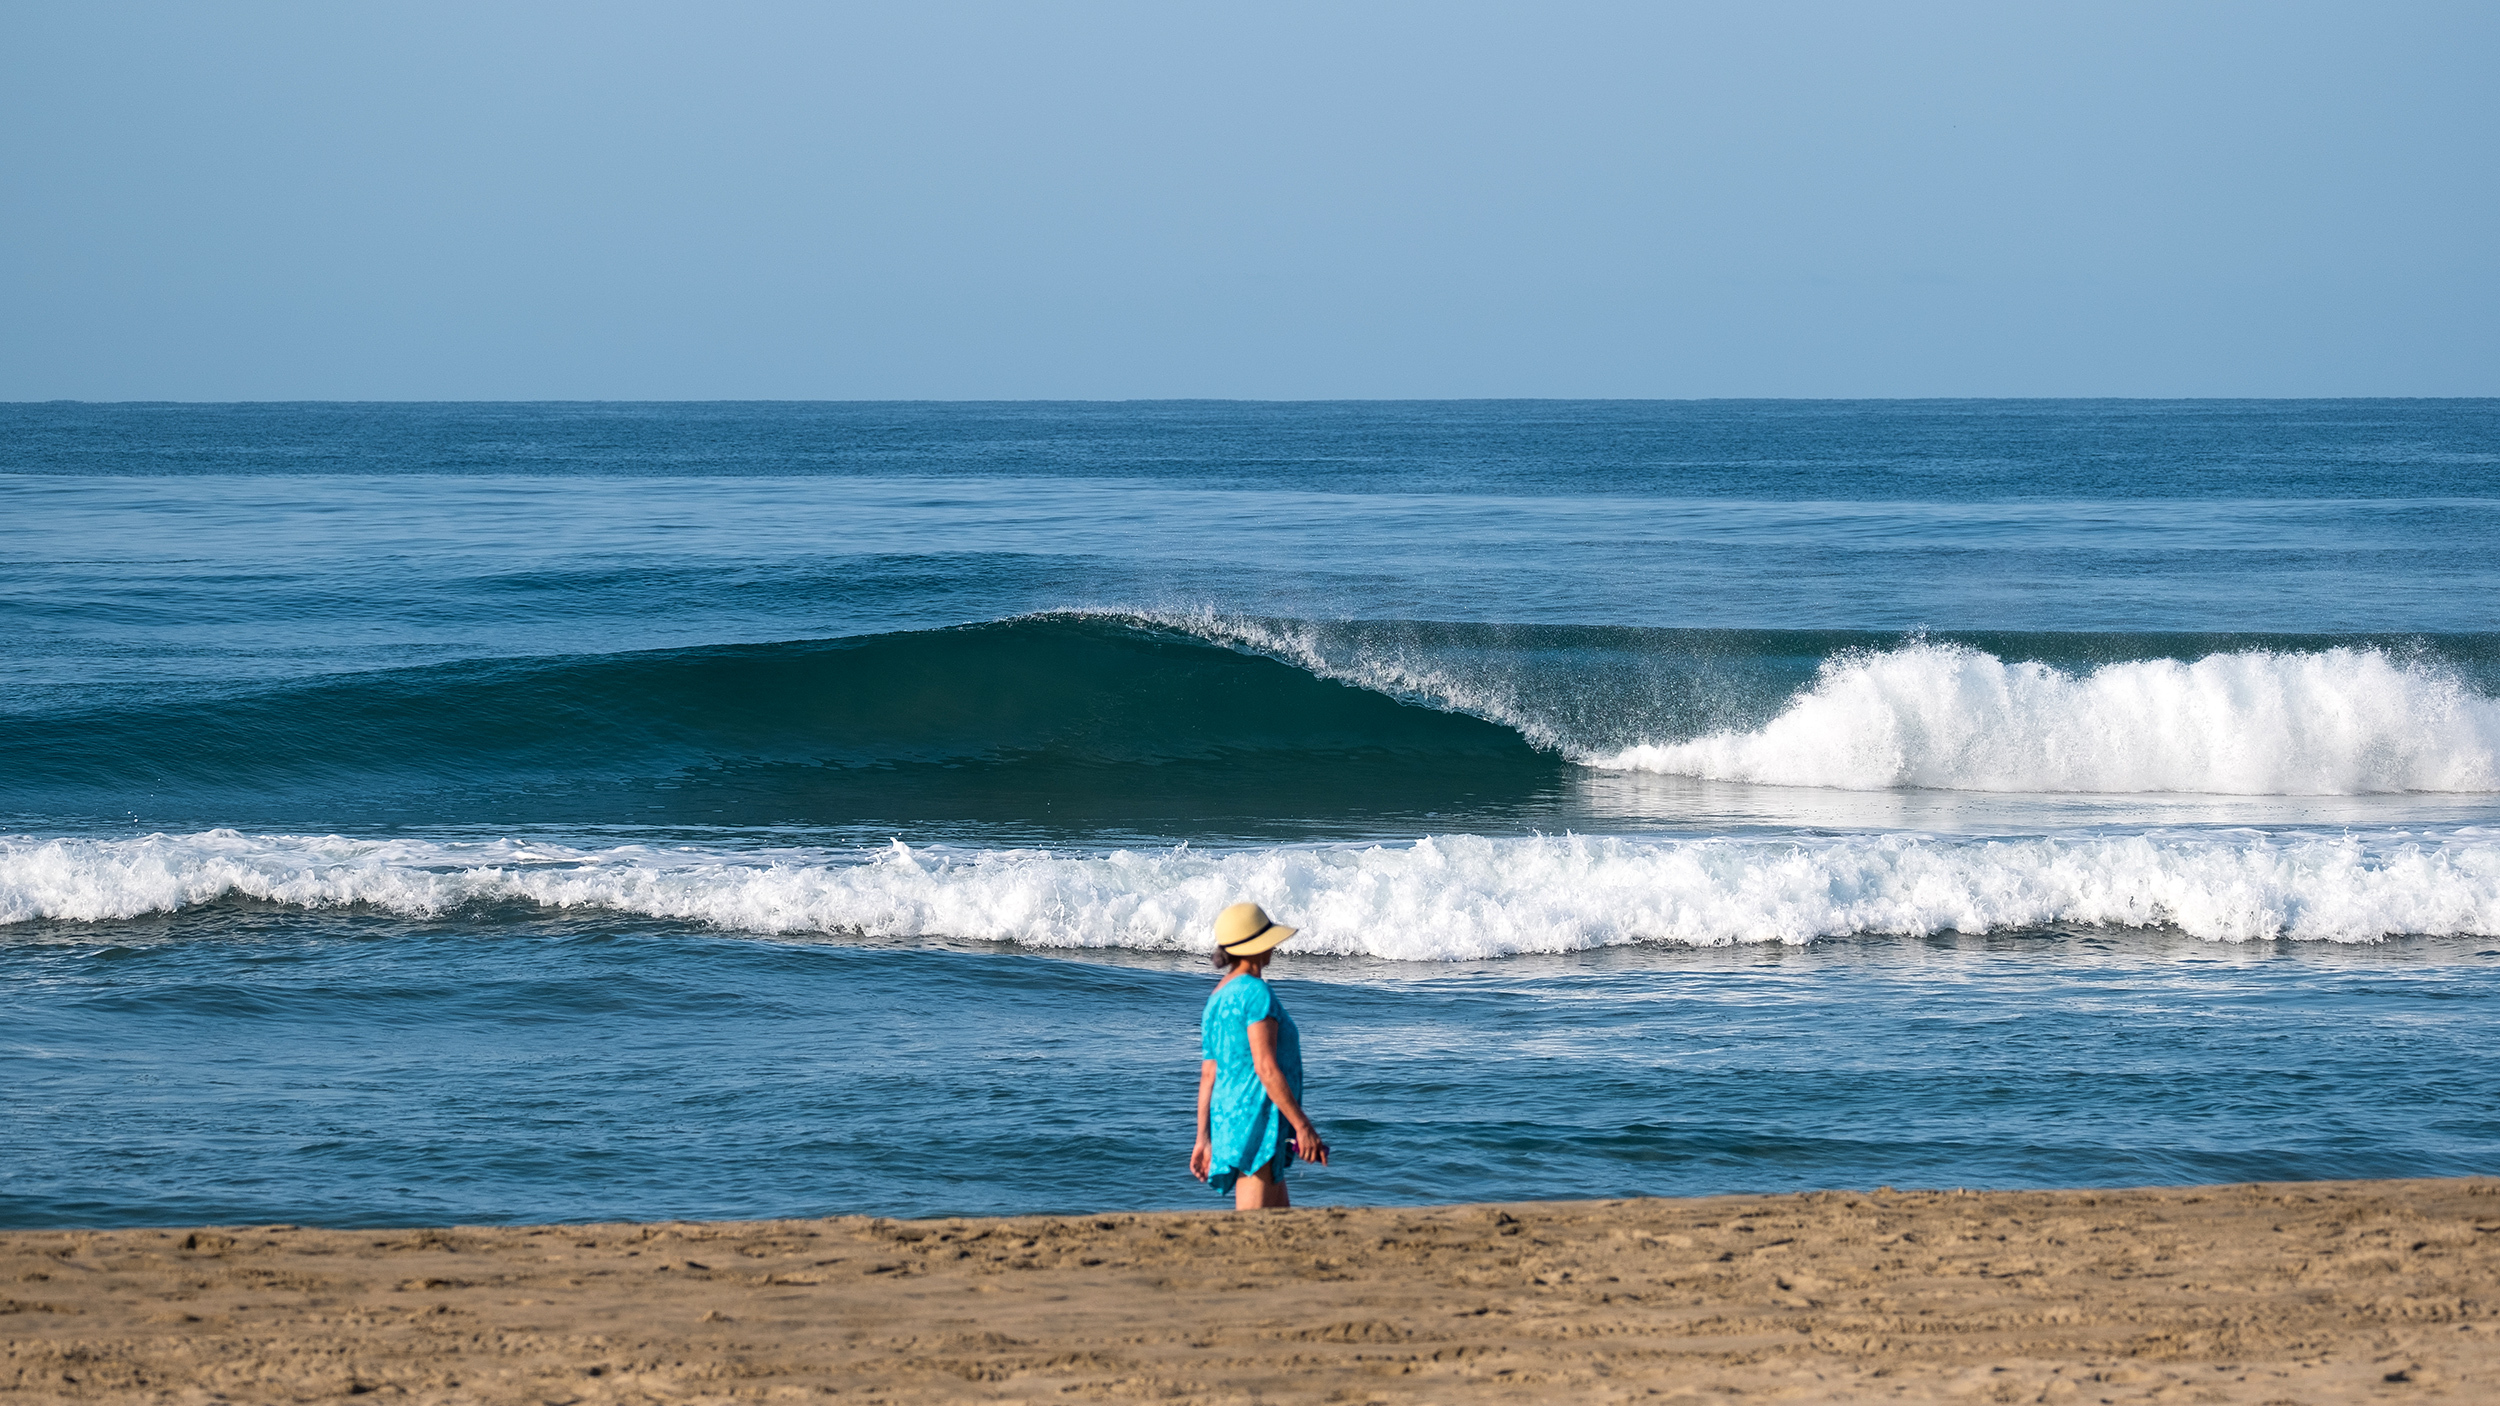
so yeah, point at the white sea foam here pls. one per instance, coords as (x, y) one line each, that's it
(1438, 899)
(2335, 722)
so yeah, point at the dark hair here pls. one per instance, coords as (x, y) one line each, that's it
(1223, 960)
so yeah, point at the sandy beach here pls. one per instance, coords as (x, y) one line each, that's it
(2307, 1292)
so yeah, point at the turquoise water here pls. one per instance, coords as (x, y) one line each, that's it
(507, 813)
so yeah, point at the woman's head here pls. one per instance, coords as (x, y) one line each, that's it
(1245, 934)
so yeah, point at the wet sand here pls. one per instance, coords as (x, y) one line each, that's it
(2306, 1293)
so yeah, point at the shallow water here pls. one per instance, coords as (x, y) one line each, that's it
(240, 1067)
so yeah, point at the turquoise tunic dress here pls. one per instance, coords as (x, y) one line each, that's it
(1242, 1122)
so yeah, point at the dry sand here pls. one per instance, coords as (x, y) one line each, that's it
(2311, 1292)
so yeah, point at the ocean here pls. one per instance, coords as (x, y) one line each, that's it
(421, 814)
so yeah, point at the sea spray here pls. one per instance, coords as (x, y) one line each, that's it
(2330, 722)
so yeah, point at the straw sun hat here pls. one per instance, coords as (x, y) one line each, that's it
(1245, 930)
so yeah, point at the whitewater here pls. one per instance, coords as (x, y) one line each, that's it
(1452, 898)
(2253, 723)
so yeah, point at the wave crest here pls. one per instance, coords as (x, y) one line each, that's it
(2333, 722)
(1455, 898)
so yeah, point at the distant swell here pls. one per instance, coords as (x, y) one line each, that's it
(1447, 899)
(2332, 722)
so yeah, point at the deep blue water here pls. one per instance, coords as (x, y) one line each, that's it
(503, 813)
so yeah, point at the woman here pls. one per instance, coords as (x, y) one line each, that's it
(1250, 1120)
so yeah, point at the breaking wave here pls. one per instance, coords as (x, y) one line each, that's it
(2325, 723)
(1447, 899)
(1172, 726)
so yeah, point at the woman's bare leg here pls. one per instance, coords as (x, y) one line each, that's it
(1259, 1191)
(1249, 1191)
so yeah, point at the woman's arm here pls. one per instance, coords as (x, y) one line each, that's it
(1202, 1156)
(1263, 1057)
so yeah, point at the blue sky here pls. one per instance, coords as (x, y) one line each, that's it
(452, 201)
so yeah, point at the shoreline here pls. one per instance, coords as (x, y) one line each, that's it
(2301, 1292)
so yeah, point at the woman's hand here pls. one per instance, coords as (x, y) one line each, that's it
(1201, 1158)
(1306, 1144)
